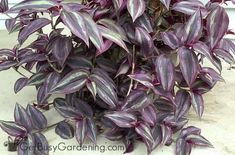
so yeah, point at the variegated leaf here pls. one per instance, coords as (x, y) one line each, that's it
(136, 101)
(197, 103)
(22, 117)
(75, 22)
(72, 82)
(20, 84)
(136, 8)
(31, 28)
(81, 131)
(38, 5)
(217, 25)
(64, 130)
(122, 119)
(113, 36)
(39, 121)
(12, 128)
(93, 31)
(165, 72)
(188, 64)
(193, 28)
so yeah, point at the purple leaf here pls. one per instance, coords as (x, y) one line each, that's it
(149, 114)
(66, 111)
(37, 5)
(227, 45)
(189, 7)
(75, 6)
(175, 125)
(129, 28)
(36, 79)
(144, 131)
(225, 55)
(123, 68)
(183, 103)
(75, 22)
(28, 142)
(39, 121)
(64, 130)
(113, 36)
(165, 72)
(117, 4)
(166, 134)
(203, 49)
(10, 23)
(91, 86)
(20, 83)
(182, 147)
(198, 140)
(193, 28)
(188, 64)
(122, 119)
(81, 131)
(41, 142)
(170, 39)
(7, 52)
(114, 26)
(105, 76)
(217, 25)
(13, 129)
(78, 62)
(44, 91)
(106, 65)
(136, 101)
(93, 31)
(7, 64)
(136, 8)
(197, 103)
(72, 82)
(168, 95)
(129, 145)
(212, 73)
(189, 131)
(145, 41)
(143, 78)
(144, 22)
(22, 117)
(31, 57)
(166, 3)
(91, 130)
(164, 105)
(105, 89)
(31, 28)
(83, 107)
(203, 86)
(105, 47)
(4, 5)
(157, 136)
(114, 134)
(62, 47)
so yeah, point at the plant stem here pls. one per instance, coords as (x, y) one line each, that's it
(51, 126)
(132, 70)
(19, 72)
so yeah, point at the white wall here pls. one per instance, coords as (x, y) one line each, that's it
(3, 17)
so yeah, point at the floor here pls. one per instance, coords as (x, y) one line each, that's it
(217, 124)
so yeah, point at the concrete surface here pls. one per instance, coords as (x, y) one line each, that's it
(217, 124)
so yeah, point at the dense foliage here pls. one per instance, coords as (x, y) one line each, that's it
(131, 68)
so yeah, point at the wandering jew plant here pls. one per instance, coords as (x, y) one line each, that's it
(129, 69)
